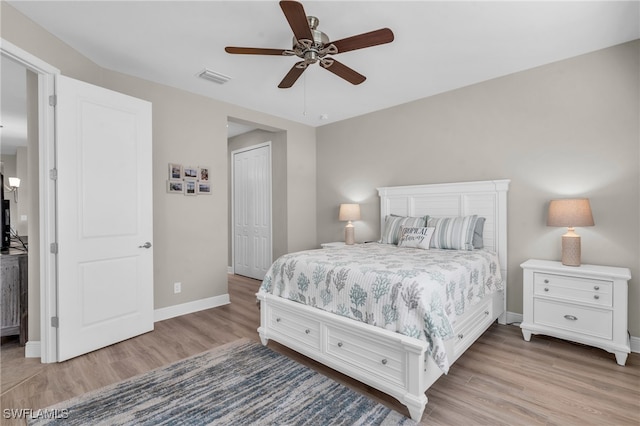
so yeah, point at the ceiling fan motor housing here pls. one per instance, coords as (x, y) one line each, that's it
(312, 50)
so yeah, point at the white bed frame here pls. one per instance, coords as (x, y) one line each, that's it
(388, 361)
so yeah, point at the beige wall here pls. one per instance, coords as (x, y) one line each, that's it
(190, 233)
(562, 130)
(278, 184)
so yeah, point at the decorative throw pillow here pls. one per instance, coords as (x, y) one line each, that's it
(478, 240)
(455, 233)
(392, 224)
(416, 237)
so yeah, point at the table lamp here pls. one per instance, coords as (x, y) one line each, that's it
(349, 212)
(570, 213)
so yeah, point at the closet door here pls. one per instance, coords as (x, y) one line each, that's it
(252, 211)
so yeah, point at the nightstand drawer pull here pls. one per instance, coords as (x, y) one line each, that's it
(460, 336)
(596, 287)
(307, 331)
(486, 313)
(278, 319)
(571, 317)
(546, 281)
(595, 296)
(546, 289)
(384, 362)
(339, 344)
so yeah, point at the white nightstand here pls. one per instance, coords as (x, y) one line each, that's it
(585, 304)
(333, 245)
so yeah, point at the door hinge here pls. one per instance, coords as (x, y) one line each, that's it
(53, 100)
(54, 322)
(53, 174)
(53, 248)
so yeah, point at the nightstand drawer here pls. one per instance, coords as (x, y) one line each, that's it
(574, 289)
(579, 319)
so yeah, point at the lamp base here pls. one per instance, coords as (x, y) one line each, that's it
(349, 234)
(571, 252)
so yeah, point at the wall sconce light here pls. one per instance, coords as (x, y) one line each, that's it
(570, 213)
(14, 184)
(349, 212)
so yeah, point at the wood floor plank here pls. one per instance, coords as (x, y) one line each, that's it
(500, 380)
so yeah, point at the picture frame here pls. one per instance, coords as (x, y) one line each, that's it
(175, 171)
(190, 187)
(175, 186)
(204, 188)
(190, 173)
(203, 173)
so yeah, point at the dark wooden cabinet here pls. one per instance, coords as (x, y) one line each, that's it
(14, 285)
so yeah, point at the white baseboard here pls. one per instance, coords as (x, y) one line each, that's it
(32, 349)
(230, 270)
(190, 307)
(513, 317)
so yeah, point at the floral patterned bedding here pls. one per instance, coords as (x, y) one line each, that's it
(415, 292)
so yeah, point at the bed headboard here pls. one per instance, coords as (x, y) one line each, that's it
(484, 198)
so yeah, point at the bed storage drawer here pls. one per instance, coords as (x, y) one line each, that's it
(469, 329)
(295, 326)
(370, 355)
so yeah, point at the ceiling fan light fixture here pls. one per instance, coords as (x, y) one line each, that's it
(216, 77)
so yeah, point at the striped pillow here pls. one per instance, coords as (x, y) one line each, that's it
(455, 233)
(393, 224)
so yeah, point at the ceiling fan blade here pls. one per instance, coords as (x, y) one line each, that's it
(343, 71)
(372, 38)
(297, 18)
(253, 51)
(292, 76)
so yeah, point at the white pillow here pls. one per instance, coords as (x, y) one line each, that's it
(415, 237)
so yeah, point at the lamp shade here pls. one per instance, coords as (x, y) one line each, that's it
(570, 213)
(349, 212)
(14, 182)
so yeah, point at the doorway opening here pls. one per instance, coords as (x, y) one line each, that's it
(41, 218)
(245, 135)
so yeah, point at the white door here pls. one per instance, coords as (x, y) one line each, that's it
(104, 209)
(252, 211)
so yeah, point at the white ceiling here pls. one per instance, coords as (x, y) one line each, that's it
(438, 46)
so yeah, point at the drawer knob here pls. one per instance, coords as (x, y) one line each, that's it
(596, 287)
(546, 289)
(486, 312)
(278, 319)
(546, 281)
(339, 344)
(571, 317)
(595, 296)
(384, 361)
(460, 336)
(307, 331)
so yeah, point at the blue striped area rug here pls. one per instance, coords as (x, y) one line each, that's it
(241, 383)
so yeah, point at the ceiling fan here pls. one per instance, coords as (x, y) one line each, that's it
(312, 45)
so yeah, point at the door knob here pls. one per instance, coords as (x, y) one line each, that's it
(145, 245)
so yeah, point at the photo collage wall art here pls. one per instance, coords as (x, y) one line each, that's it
(188, 180)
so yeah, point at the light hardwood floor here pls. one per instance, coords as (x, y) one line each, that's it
(500, 380)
